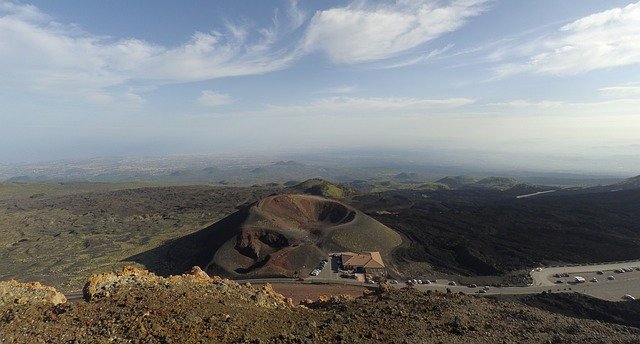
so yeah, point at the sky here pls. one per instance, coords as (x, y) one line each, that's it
(84, 79)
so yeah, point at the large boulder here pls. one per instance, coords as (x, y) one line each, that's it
(13, 292)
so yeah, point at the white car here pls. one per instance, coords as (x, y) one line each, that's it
(628, 297)
(594, 280)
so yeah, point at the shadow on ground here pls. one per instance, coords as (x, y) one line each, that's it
(179, 255)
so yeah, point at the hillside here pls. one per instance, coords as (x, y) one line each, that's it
(628, 184)
(321, 187)
(136, 306)
(499, 183)
(456, 182)
(277, 236)
(483, 232)
(61, 233)
(506, 184)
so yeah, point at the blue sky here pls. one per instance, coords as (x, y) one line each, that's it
(102, 78)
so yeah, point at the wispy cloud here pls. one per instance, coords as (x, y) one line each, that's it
(541, 108)
(356, 107)
(342, 89)
(42, 55)
(296, 14)
(418, 59)
(622, 91)
(39, 54)
(389, 106)
(602, 40)
(361, 32)
(213, 98)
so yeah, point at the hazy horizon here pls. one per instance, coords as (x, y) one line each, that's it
(501, 85)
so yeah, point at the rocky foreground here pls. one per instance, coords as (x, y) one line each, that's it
(140, 307)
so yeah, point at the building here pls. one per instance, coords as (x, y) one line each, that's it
(367, 262)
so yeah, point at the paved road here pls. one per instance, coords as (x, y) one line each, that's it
(625, 283)
(613, 290)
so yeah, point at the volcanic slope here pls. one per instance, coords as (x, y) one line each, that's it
(281, 235)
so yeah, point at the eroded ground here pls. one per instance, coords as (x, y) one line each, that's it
(61, 240)
(136, 306)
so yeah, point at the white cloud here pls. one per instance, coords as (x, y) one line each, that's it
(360, 33)
(596, 109)
(297, 15)
(41, 55)
(213, 98)
(602, 40)
(419, 59)
(342, 89)
(623, 91)
(356, 106)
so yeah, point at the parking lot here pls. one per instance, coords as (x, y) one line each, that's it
(553, 279)
(623, 283)
(329, 271)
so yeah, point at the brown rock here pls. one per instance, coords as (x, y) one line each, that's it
(13, 292)
(197, 272)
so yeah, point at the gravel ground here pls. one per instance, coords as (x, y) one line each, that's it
(138, 307)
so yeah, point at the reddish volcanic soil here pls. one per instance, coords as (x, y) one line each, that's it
(286, 235)
(304, 211)
(299, 292)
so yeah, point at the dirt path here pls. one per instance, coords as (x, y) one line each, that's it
(299, 292)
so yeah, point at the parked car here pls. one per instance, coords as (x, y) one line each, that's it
(472, 285)
(452, 283)
(594, 280)
(611, 278)
(481, 291)
(618, 271)
(538, 269)
(486, 287)
(419, 281)
(600, 273)
(559, 281)
(628, 297)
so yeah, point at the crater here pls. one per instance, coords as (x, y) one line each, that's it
(304, 212)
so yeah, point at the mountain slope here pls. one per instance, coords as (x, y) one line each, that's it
(277, 236)
(324, 188)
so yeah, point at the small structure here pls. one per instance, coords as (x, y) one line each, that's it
(366, 262)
